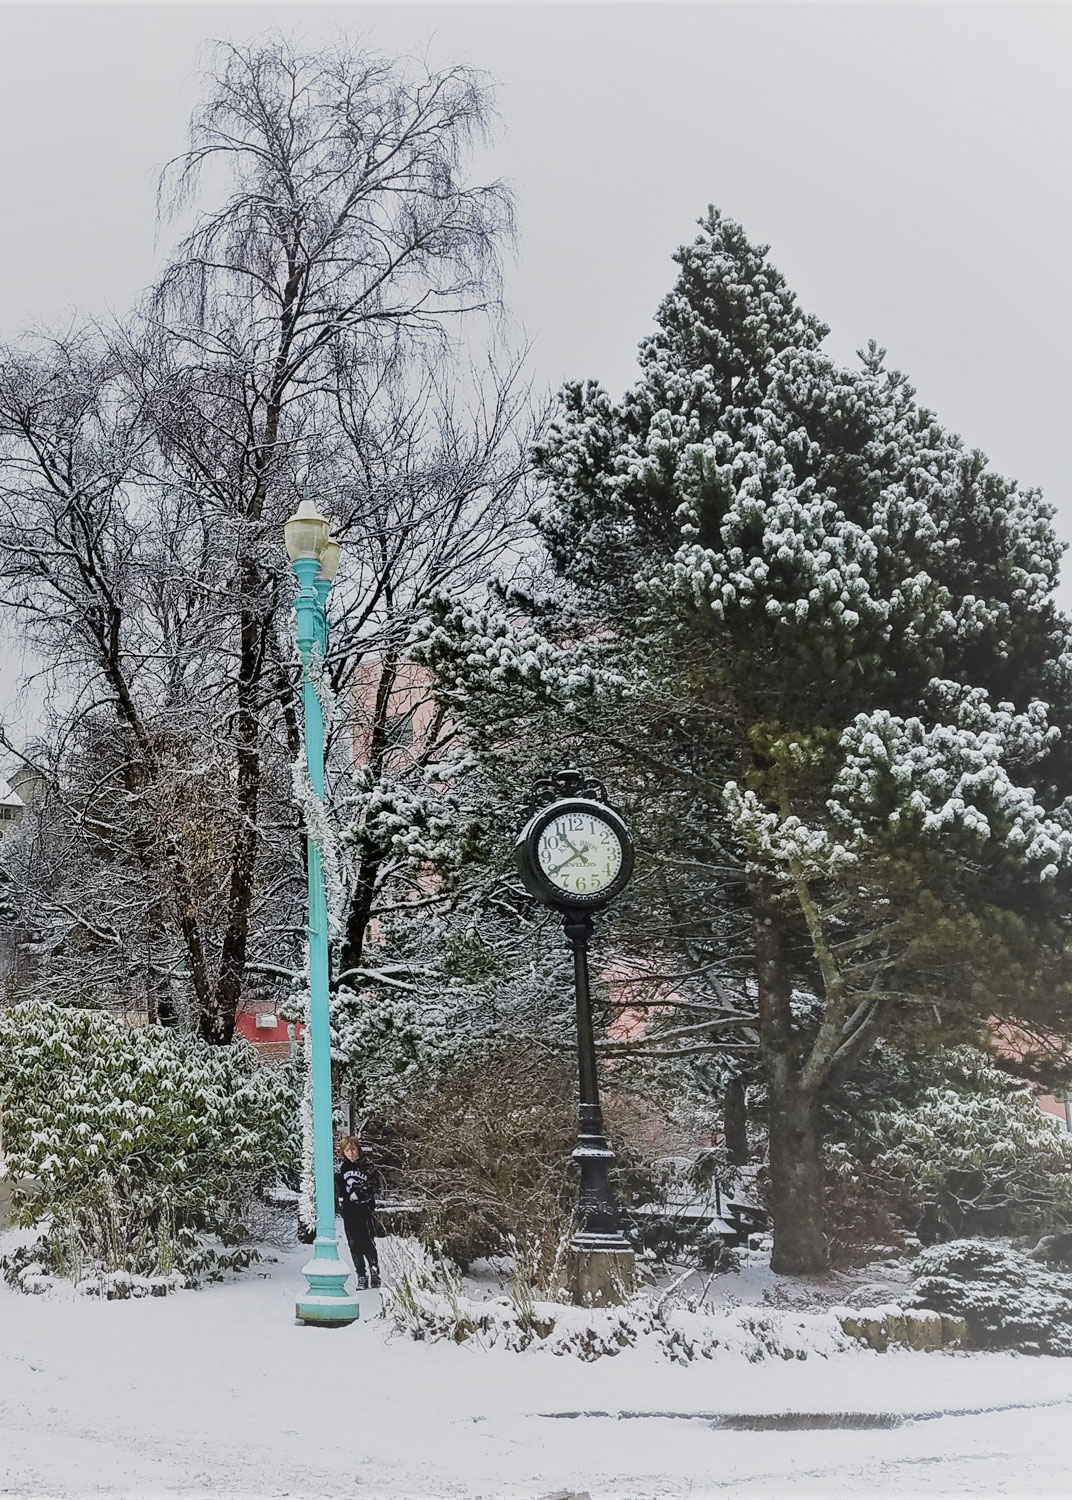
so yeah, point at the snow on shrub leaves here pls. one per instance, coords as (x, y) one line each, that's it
(970, 1153)
(146, 1145)
(427, 1302)
(1008, 1300)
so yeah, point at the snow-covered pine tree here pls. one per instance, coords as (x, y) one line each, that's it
(817, 639)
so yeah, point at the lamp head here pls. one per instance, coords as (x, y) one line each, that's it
(329, 559)
(306, 532)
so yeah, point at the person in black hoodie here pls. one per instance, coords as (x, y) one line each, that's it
(355, 1193)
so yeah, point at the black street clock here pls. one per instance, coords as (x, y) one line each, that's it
(575, 854)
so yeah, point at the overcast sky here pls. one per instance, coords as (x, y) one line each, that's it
(908, 164)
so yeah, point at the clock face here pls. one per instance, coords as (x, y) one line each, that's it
(579, 854)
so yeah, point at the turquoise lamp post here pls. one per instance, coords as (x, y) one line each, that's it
(314, 556)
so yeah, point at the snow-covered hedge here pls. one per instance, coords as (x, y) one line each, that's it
(144, 1147)
(677, 1330)
(1009, 1300)
(427, 1299)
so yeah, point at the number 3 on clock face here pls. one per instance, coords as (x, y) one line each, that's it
(579, 854)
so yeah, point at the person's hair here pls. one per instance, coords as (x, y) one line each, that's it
(346, 1141)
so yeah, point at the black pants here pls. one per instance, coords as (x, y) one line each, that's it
(362, 1242)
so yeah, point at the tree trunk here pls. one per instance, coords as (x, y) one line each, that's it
(359, 916)
(735, 1122)
(796, 1164)
(796, 1183)
(167, 1009)
(218, 1026)
(364, 892)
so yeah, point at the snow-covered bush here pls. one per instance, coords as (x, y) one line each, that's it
(969, 1151)
(421, 1283)
(145, 1147)
(428, 1301)
(1009, 1300)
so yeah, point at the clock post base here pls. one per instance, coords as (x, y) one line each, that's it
(601, 1276)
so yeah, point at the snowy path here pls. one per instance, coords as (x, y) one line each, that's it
(219, 1393)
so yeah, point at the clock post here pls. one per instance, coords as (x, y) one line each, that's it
(575, 855)
(602, 1261)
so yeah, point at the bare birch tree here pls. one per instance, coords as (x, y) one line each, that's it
(301, 326)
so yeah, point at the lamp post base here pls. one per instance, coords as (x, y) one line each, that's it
(600, 1270)
(327, 1304)
(327, 1312)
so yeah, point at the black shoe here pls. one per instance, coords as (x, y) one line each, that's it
(374, 1279)
(362, 1283)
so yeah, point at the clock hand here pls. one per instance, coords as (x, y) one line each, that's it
(582, 854)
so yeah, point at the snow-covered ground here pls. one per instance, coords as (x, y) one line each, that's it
(218, 1392)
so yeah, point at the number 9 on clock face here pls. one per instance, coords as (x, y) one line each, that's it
(579, 854)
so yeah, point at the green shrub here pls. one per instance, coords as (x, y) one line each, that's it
(967, 1152)
(1008, 1300)
(141, 1149)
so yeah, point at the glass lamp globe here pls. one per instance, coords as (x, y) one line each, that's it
(306, 532)
(329, 559)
